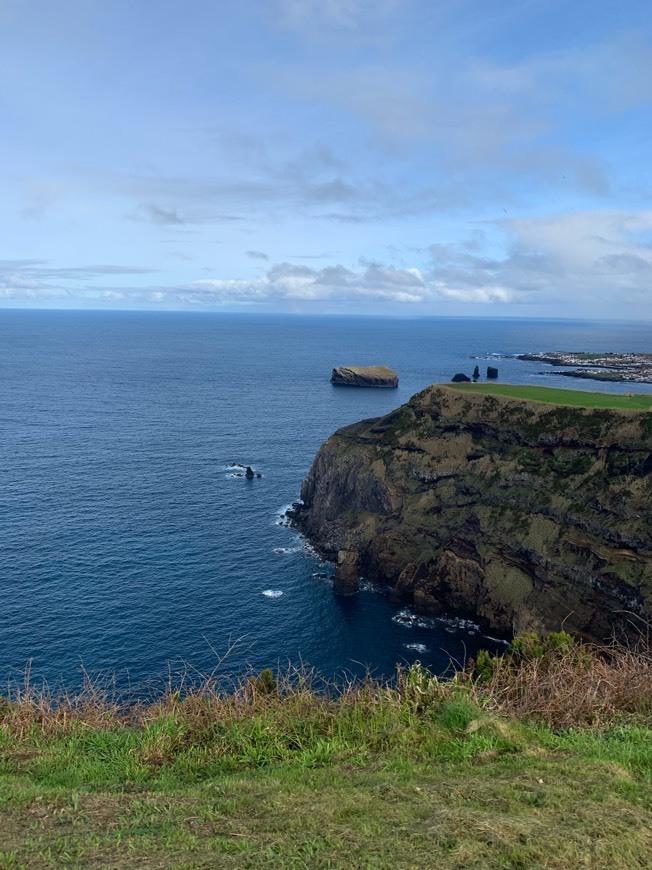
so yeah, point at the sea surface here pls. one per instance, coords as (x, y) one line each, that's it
(130, 549)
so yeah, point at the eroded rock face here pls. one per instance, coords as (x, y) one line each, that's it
(521, 514)
(345, 581)
(364, 376)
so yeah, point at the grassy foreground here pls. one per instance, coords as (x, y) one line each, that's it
(492, 769)
(554, 396)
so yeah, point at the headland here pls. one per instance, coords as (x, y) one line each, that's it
(621, 367)
(515, 506)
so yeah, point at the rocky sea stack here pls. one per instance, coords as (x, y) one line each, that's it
(364, 376)
(523, 515)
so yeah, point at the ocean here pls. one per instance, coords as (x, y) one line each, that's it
(129, 547)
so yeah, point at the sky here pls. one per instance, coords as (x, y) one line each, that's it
(397, 157)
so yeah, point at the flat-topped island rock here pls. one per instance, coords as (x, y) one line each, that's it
(364, 376)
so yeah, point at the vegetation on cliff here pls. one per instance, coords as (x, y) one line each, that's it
(553, 396)
(492, 769)
(489, 502)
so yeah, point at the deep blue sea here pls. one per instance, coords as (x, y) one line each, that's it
(127, 545)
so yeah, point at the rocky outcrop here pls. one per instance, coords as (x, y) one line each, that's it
(247, 472)
(364, 376)
(345, 580)
(523, 515)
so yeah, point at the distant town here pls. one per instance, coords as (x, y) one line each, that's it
(629, 367)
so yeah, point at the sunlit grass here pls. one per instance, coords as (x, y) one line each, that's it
(472, 772)
(552, 395)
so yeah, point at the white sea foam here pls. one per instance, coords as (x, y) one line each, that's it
(236, 469)
(408, 619)
(308, 549)
(456, 623)
(281, 516)
(417, 647)
(283, 551)
(272, 593)
(492, 356)
(367, 586)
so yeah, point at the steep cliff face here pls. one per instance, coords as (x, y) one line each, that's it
(524, 515)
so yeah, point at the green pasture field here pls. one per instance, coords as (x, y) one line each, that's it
(419, 773)
(554, 396)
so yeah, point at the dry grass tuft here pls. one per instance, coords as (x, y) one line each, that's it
(579, 686)
(557, 681)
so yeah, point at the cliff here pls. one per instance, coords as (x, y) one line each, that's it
(364, 376)
(524, 515)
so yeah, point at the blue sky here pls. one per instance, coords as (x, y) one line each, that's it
(394, 157)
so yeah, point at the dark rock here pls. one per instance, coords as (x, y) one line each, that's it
(476, 373)
(345, 581)
(460, 378)
(492, 372)
(364, 376)
(249, 473)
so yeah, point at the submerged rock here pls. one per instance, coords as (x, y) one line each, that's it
(364, 376)
(521, 515)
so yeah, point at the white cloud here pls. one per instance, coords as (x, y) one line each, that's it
(286, 282)
(597, 263)
(346, 14)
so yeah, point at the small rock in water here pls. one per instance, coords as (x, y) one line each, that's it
(460, 378)
(249, 472)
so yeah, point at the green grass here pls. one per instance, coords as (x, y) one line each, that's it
(420, 774)
(464, 802)
(551, 395)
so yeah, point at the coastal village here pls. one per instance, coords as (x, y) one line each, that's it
(625, 367)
